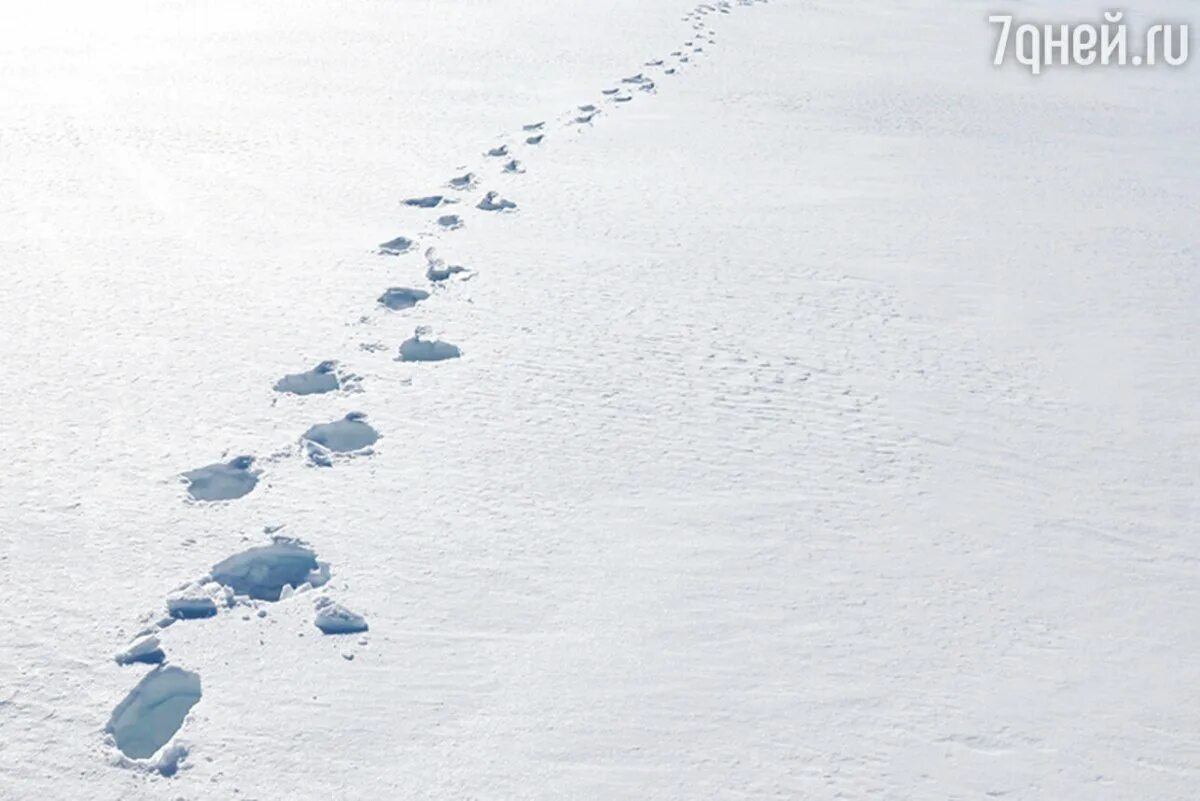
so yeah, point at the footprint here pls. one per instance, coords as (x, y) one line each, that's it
(534, 126)
(584, 119)
(610, 91)
(348, 435)
(333, 618)
(514, 166)
(622, 98)
(587, 107)
(684, 59)
(430, 202)
(153, 711)
(493, 202)
(437, 270)
(647, 87)
(397, 246)
(658, 62)
(418, 349)
(401, 297)
(534, 140)
(270, 572)
(639, 78)
(463, 182)
(497, 152)
(222, 482)
(450, 222)
(669, 71)
(321, 379)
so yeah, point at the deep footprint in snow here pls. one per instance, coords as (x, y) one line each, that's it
(397, 246)
(349, 435)
(534, 126)
(270, 572)
(493, 202)
(497, 152)
(514, 167)
(534, 140)
(658, 62)
(419, 349)
(584, 119)
(222, 481)
(450, 222)
(463, 182)
(401, 297)
(639, 78)
(612, 91)
(153, 711)
(623, 98)
(319, 380)
(333, 618)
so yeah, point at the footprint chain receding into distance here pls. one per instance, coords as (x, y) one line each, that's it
(143, 726)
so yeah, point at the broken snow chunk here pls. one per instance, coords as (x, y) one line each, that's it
(146, 650)
(333, 618)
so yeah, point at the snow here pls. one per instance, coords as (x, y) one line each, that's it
(827, 429)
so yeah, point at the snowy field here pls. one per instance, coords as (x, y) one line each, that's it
(821, 422)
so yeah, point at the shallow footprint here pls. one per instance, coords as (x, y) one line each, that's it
(419, 349)
(610, 91)
(430, 202)
(348, 435)
(222, 481)
(437, 270)
(534, 140)
(401, 297)
(584, 119)
(497, 152)
(534, 126)
(450, 222)
(463, 182)
(514, 166)
(493, 202)
(397, 246)
(322, 378)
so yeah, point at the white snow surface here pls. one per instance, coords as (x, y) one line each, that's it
(829, 426)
